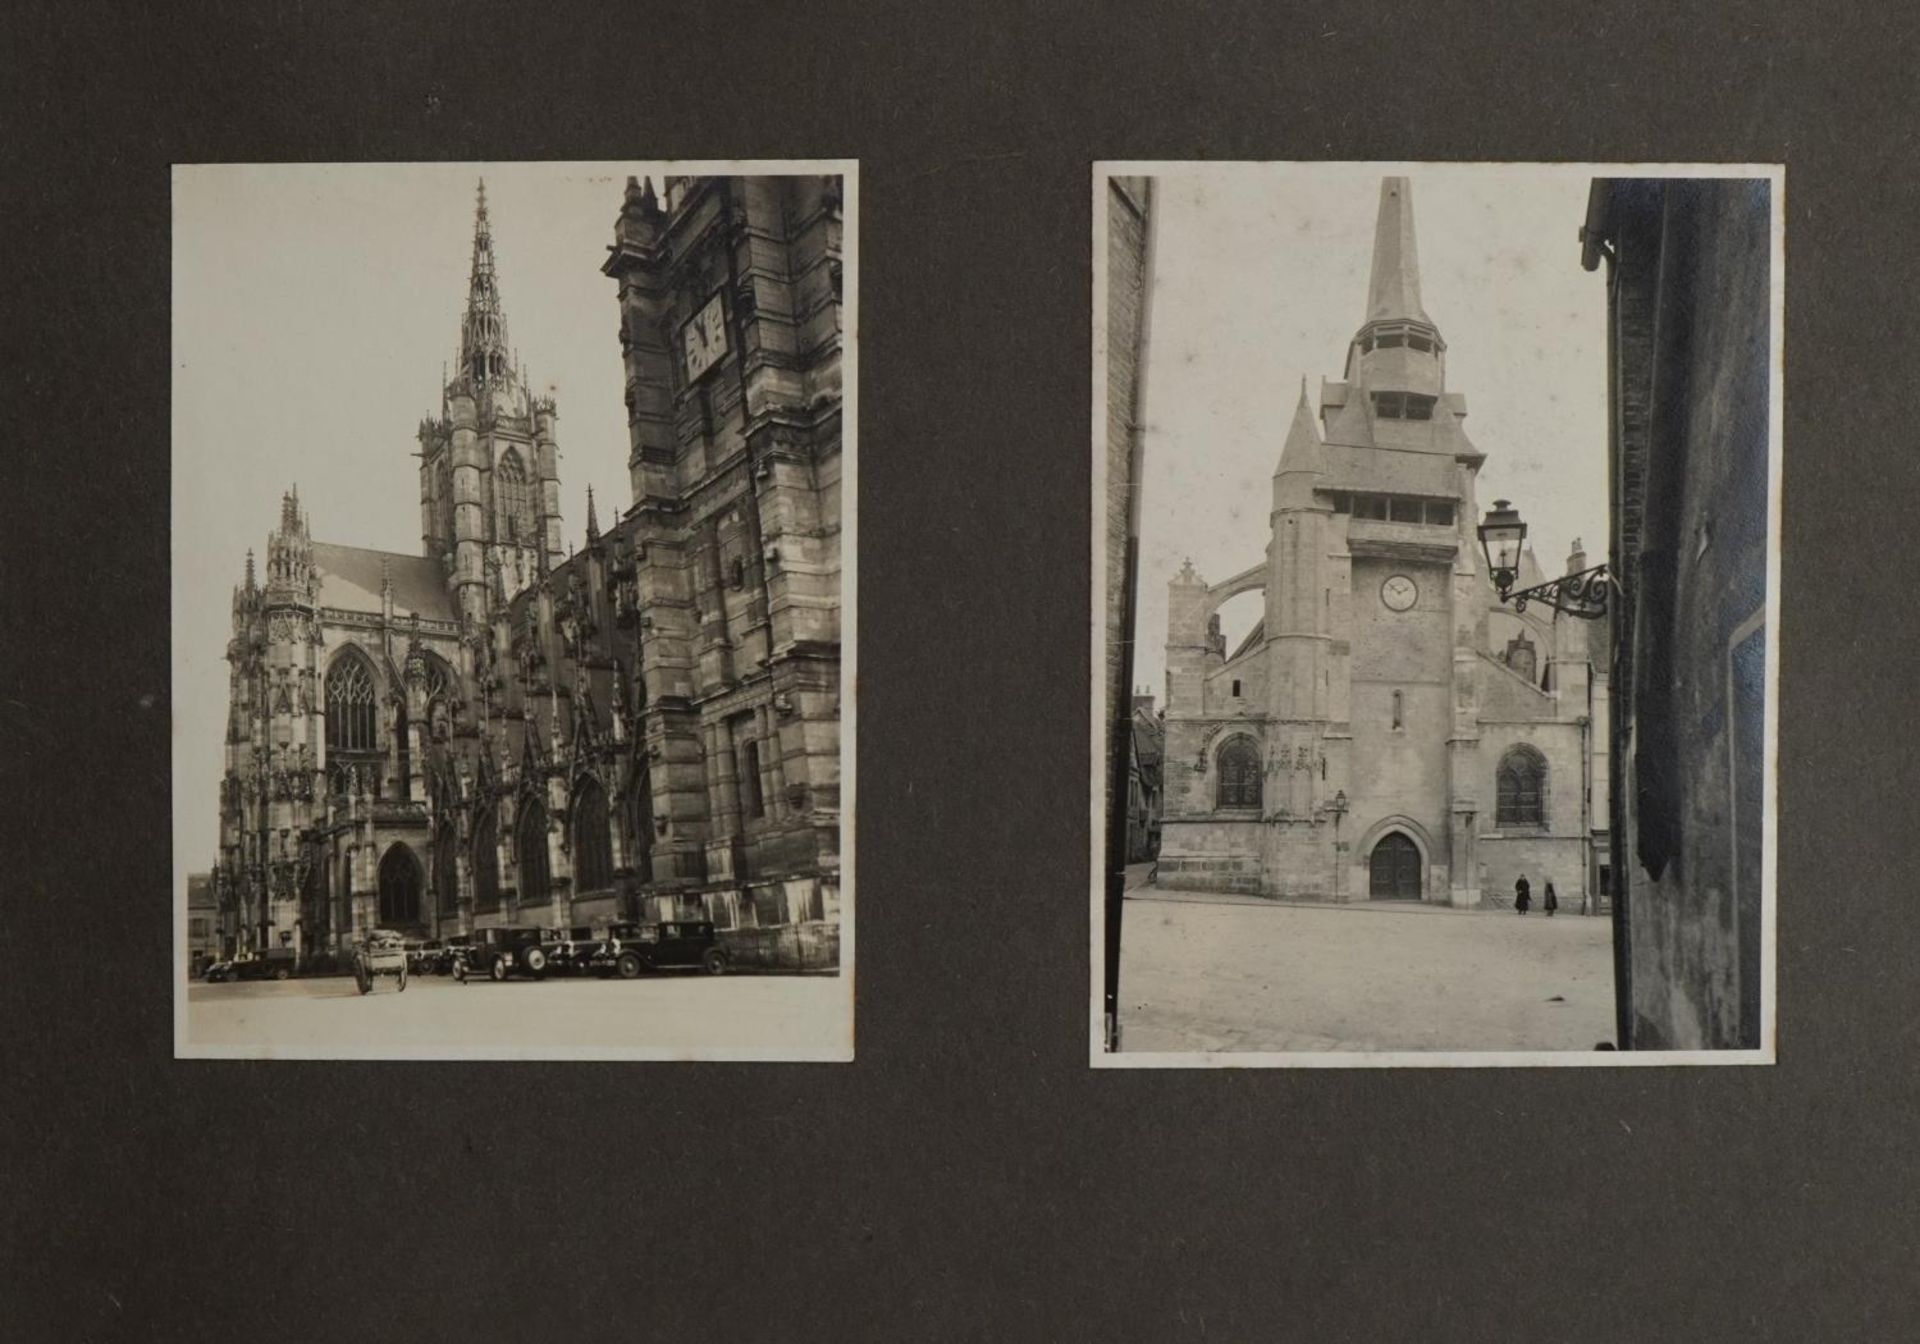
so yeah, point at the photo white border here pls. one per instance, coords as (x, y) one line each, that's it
(849, 172)
(1098, 1057)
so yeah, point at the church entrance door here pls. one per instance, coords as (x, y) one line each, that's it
(400, 884)
(1394, 869)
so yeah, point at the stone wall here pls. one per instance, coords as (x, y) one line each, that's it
(1691, 309)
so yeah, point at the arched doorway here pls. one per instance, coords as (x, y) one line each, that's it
(400, 884)
(1394, 869)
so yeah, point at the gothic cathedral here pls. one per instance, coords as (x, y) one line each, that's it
(496, 732)
(1388, 730)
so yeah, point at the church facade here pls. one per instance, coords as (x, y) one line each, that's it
(1387, 730)
(496, 732)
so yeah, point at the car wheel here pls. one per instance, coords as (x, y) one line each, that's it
(715, 961)
(281, 973)
(535, 961)
(499, 968)
(460, 972)
(629, 965)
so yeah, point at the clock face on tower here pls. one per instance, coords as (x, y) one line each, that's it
(1399, 593)
(704, 339)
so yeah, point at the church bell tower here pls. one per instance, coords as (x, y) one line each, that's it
(489, 471)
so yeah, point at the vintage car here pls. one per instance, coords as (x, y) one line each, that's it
(424, 958)
(275, 963)
(571, 951)
(630, 949)
(218, 972)
(500, 952)
(381, 952)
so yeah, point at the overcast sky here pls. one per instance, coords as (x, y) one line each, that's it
(313, 309)
(1261, 279)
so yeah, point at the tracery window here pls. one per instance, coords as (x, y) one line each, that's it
(486, 862)
(592, 838)
(350, 708)
(513, 496)
(1239, 771)
(1520, 788)
(536, 883)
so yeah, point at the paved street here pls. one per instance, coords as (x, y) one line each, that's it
(1200, 972)
(739, 1016)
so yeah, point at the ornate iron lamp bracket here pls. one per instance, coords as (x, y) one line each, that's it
(1583, 594)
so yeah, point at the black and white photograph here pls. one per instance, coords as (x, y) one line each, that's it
(513, 550)
(1421, 738)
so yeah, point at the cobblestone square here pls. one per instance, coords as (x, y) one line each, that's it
(1211, 973)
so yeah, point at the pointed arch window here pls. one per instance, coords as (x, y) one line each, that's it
(350, 707)
(536, 882)
(486, 862)
(1239, 774)
(513, 495)
(592, 838)
(446, 871)
(1520, 788)
(640, 822)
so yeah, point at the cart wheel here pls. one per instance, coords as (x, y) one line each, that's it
(629, 965)
(403, 979)
(499, 968)
(363, 978)
(715, 961)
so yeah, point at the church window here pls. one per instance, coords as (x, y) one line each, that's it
(1236, 689)
(1389, 340)
(486, 863)
(350, 708)
(751, 799)
(535, 878)
(1520, 787)
(1440, 512)
(1419, 407)
(1239, 763)
(1522, 657)
(1402, 510)
(1342, 502)
(592, 838)
(1420, 343)
(1388, 405)
(513, 494)
(1399, 711)
(446, 870)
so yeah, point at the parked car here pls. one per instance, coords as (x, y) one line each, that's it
(571, 951)
(381, 952)
(454, 949)
(275, 963)
(500, 952)
(423, 958)
(631, 949)
(219, 972)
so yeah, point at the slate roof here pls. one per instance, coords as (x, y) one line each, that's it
(350, 581)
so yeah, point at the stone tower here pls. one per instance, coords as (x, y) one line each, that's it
(274, 735)
(489, 470)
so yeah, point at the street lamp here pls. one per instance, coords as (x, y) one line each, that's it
(1582, 594)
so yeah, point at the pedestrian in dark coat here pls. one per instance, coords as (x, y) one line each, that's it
(1522, 894)
(1551, 902)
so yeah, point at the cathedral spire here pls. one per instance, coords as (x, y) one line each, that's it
(483, 331)
(593, 523)
(1393, 292)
